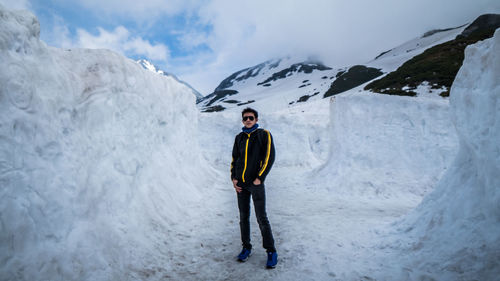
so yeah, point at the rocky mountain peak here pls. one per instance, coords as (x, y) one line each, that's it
(483, 22)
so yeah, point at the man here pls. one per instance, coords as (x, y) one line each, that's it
(253, 157)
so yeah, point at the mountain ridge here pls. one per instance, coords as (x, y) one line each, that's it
(288, 81)
(437, 65)
(146, 64)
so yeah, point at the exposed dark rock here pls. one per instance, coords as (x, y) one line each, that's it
(243, 103)
(437, 65)
(231, 101)
(339, 73)
(434, 31)
(229, 81)
(305, 97)
(214, 108)
(354, 77)
(445, 94)
(245, 74)
(218, 95)
(484, 22)
(383, 53)
(397, 92)
(274, 65)
(298, 67)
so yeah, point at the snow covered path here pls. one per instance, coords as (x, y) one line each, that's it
(320, 234)
(107, 174)
(317, 236)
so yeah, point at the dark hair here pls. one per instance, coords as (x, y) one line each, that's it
(251, 110)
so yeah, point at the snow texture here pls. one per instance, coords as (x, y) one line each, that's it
(280, 93)
(295, 87)
(90, 159)
(455, 232)
(387, 146)
(395, 57)
(108, 172)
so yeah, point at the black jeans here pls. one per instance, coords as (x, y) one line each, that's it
(258, 194)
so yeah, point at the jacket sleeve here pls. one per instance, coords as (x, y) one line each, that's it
(234, 159)
(268, 156)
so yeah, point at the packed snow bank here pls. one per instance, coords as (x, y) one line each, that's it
(387, 146)
(97, 159)
(300, 135)
(455, 233)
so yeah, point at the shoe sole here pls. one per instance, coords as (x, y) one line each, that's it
(270, 267)
(244, 260)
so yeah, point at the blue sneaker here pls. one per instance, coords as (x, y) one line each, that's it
(245, 253)
(272, 259)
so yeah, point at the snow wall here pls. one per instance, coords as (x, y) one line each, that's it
(98, 158)
(387, 146)
(455, 233)
(301, 141)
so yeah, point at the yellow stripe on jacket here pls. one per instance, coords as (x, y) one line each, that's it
(268, 153)
(246, 156)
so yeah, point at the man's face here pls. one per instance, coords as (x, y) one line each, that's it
(249, 120)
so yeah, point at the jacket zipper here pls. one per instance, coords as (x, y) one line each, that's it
(246, 154)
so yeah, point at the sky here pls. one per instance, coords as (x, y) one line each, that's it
(204, 41)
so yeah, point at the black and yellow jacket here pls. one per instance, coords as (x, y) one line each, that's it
(253, 156)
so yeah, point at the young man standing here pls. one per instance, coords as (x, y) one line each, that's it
(253, 157)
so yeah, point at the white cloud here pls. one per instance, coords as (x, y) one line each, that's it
(104, 40)
(142, 47)
(341, 33)
(58, 33)
(238, 34)
(121, 41)
(190, 40)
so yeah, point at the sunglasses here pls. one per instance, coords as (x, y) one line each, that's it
(245, 118)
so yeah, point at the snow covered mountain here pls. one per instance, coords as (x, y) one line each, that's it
(90, 142)
(151, 67)
(110, 172)
(381, 157)
(454, 234)
(279, 82)
(438, 65)
(285, 82)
